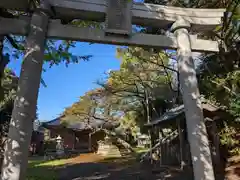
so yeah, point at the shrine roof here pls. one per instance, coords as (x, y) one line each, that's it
(74, 123)
(178, 111)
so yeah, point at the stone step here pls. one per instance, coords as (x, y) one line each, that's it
(109, 150)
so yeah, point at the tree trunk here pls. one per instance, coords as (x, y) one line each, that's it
(197, 133)
(20, 130)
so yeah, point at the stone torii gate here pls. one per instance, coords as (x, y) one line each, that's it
(119, 16)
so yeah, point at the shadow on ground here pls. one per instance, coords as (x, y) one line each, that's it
(94, 167)
(103, 171)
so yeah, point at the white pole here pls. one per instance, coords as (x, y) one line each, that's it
(24, 111)
(197, 134)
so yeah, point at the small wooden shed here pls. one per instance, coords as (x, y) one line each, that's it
(174, 147)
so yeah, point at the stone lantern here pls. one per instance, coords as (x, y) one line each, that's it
(59, 146)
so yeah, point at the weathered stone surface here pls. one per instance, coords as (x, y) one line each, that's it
(108, 150)
(24, 111)
(142, 14)
(119, 17)
(197, 134)
(69, 32)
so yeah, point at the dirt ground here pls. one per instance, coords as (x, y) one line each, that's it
(233, 168)
(94, 167)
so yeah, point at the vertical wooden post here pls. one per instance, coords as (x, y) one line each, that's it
(180, 134)
(160, 146)
(74, 140)
(216, 142)
(197, 134)
(24, 111)
(90, 142)
(215, 147)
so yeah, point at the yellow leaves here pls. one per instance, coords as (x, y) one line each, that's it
(119, 52)
(82, 107)
(140, 68)
(228, 137)
(230, 83)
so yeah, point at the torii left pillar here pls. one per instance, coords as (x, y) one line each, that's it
(24, 111)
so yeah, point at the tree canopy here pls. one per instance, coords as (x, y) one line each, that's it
(146, 85)
(8, 93)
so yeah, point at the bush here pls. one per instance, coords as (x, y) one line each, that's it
(229, 138)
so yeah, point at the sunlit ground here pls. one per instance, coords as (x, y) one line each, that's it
(39, 169)
(94, 167)
(140, 150)
(43, 170)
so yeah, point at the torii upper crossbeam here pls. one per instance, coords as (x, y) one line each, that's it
(182, 22)
(142, 13)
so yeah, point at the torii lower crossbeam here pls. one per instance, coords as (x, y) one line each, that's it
(68, 32)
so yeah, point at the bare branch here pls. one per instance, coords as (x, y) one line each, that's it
(14, 44)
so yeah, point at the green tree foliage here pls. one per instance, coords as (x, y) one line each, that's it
(219, 72)
(56, 51)
(133, 93)
(220, 76)
(91, 105)
(140, 87)
(230, 138)
(129, 122)
(235, 107)
(9, 84)
(84, 108)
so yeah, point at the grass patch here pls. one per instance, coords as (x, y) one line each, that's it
(43, 170)
(140, 150)
(51, 163)
(39, 169)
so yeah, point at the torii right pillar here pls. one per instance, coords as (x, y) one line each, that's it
(196, 129)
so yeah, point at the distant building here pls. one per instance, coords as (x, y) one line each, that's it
(143, 140)
(37, 139)
(77, 134)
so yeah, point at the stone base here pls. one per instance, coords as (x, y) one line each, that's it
(108, 150)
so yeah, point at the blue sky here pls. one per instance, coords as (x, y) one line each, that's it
(66, 84)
